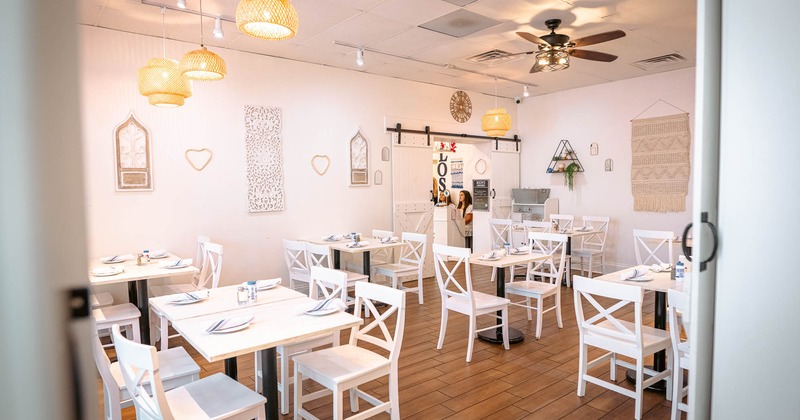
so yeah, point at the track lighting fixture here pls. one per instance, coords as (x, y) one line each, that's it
(525, 92)
(182, 4)
(218, 28)
(360, 57)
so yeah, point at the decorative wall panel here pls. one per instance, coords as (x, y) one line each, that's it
(264, 159)
(134, 169)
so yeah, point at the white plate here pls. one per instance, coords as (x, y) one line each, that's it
(356, 246)
(641, 278)
(112, 262)
(490, 258)
(267, 286)
(175, 267)
(324, 311)
(186, 301)
(232, 329)
(153, 257)
(520, 253)
(117, 270)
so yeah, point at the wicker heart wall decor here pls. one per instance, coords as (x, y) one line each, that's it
(198, 158)
(320, 163)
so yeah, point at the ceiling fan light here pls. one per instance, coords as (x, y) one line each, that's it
(161, 81)
(496, 122)
(203, 65)
(552, 60)
(267, 19)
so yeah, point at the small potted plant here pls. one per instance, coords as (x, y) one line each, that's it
(569, 175)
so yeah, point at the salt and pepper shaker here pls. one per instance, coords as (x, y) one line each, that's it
(242, 294)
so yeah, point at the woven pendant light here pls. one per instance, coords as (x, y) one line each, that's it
(161, 80)
(267, 19)
(203, 64)
(496, 121)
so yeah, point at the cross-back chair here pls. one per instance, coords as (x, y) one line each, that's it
(648, 243)
(499, 234)
(592, 246)
(412, 260)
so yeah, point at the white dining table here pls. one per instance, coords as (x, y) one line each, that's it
(374, 245)
(137, 277)
(277, 320)
(661, 282)
(514, 335)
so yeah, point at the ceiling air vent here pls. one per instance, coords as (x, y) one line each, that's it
(662, 62)
(490, 58)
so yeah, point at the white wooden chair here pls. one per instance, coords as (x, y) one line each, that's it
(648, 243)
(100, 299)
(125, 314)
(175, 365)
(564, 221)
(531, 226)
(499, 234)
(216, 396)
(209, 276)
(458, 296)
(592, 246)
(331, 283)
(605, 331)
(381, 256)
(678, 307)
(347, 367)
(294, 253)
(550, 271)
(320, 256)
(411, 262)
(199, 262)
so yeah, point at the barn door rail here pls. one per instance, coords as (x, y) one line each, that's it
(427, 131)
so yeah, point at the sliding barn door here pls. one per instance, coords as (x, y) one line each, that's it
(412, 182)
(505, 177)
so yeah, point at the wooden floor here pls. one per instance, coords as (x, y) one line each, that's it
(536, 379)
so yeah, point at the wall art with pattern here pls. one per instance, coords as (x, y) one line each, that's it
(359, 160)
(132, 152)
(264, 147)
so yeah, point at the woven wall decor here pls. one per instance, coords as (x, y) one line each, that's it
(661, 165)
(132, 151)
(264, 148)
(198, 158)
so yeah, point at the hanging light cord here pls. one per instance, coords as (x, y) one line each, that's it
(201, 23)
(495, 92)
(163, 32)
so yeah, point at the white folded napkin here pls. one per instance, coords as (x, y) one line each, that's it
(520, 250)
(634, 272)
(159, 253)
(106, 271)
(497, 253)
(176, 263)
(333, 303)
(267, 284)
(228, 323)
(583, 228)
(657, 268)
(333, 238)
(116, 258)
(358, 244)
(389, 239)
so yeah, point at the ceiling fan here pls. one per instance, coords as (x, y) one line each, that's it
(555, 49)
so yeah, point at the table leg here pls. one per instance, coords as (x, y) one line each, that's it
(496, 336)
(231, 368)
(660, 358)
(365, 265)
(337, 255)
(269, 382)
(137, 294)
(569, 260)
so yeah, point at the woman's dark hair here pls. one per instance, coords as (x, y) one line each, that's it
(466, 203)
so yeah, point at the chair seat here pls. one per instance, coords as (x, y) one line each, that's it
(652, 338)
(111, 314)
(397, 269)
(483, 301)
(341, 364)
(353, 277)
(586, 252)
(177, 368)
(212, 397)
(171, 289)
(531, 288)
(100, 299)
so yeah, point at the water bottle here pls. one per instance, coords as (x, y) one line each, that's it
(507, 246)
(146, 256)
(251, 291)
(679, 271)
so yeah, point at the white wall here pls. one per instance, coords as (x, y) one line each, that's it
(602, 114)
(322, 108)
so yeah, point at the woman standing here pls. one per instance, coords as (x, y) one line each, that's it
(465, 205)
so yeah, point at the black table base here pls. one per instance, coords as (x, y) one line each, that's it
(496, 336)
(660, 358)
(137, 294)
(660, 386)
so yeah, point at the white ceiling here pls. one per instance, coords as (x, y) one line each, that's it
(395, 44)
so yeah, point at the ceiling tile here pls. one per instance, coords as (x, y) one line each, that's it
(362, 30)
(412, 12)
(460, 23)
(412, 41)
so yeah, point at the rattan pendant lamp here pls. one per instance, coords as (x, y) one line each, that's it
(496, 121)
(161, 79)
(203, 64)
(267, 19)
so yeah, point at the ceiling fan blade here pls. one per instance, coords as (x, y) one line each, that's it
(537, 68)
(533, 38)
(521, 53)
(592, 55)
(598, 38)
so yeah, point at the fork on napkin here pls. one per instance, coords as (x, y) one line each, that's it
(520, 250)
(497, 253)
(117, 258)
(333, 238)
(228, 323)
(634, 272)
(159, 253)
(178, 263)
(657, 268)
(266, 284)
(389, 239)
(357, 244)
(319, 305)
(106, 271)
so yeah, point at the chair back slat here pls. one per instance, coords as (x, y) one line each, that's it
(678, 315)
(554, 245)
(564, 221)
(136, 363)
(329, 282)
(211, 268)
(597, 240)
(647, 243)
(588, 290)
(449, 284)
(500, 232)
(536, 226)
(318, 255)
(294, 253)
(414, 245)
(385, 255)
(367, 294)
